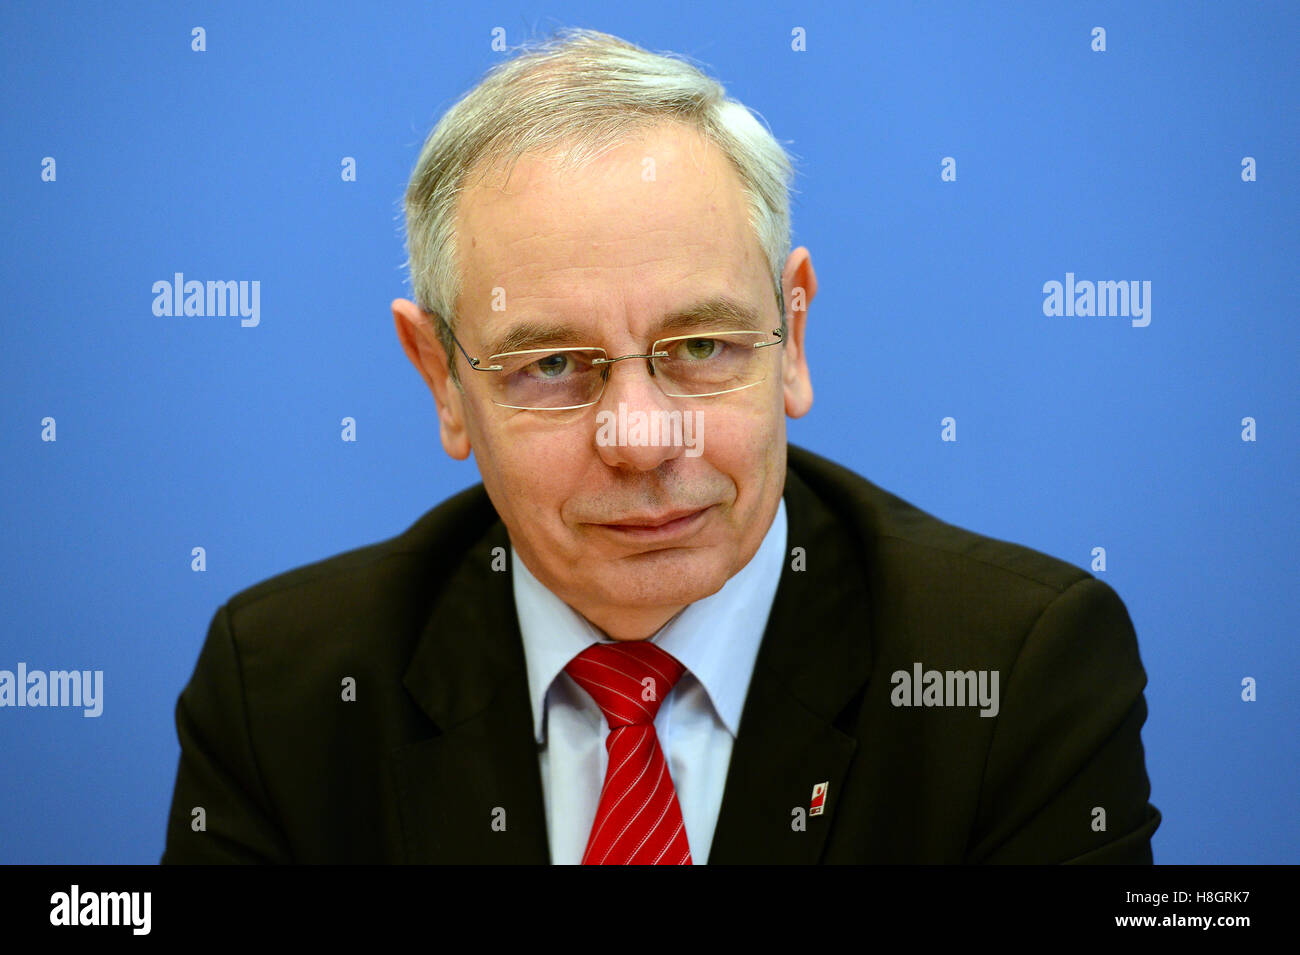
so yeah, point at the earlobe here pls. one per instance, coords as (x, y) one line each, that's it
(425, 351)
(798, 395)
(451, 411)
(451, 428)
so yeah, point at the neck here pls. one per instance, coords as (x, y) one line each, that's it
(631, 624)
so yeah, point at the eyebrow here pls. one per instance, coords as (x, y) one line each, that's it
(719, 314)
(528, 335)
(716, 314)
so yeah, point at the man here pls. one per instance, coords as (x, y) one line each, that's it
(654, 633)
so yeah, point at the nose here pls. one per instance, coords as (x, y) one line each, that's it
(637, 426)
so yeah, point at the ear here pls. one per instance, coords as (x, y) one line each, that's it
(415, 330)
(798, 285)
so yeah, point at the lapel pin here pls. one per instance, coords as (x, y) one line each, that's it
(818, 804)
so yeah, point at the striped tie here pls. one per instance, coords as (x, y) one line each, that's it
(638, 821)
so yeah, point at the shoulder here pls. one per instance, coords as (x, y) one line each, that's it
(1006, 679)
(899, 531)
(928, 575)
(380, 589)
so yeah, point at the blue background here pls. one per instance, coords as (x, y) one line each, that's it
(1072, 432)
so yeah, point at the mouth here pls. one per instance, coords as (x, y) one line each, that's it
(655, 527)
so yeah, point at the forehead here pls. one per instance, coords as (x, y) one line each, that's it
(663, 209)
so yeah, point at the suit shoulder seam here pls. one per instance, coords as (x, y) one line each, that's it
(1020, 652)
(1051, 585)
(1029, 632)
(247, 726)
(312, 573)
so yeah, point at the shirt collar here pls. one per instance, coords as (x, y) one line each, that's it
(715, 638)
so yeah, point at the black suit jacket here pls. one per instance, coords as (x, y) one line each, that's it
(440, 736)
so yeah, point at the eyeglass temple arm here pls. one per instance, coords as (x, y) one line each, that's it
(778, 332)
(473, 362)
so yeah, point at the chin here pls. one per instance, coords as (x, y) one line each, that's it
(663, 578)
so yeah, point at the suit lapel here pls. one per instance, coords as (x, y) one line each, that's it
(472, 793)
(814, 658)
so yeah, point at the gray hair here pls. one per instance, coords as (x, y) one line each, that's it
(585, 91)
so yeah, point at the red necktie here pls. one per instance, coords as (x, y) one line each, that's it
(638, 821)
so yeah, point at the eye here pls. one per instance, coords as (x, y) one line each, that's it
(698, 349)
(552, 366)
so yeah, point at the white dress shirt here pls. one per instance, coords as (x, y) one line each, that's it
(716, 639)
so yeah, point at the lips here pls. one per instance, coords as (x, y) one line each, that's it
(653, 521)
(658, 528)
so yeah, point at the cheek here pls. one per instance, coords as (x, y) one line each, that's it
(741, 438)
(536, 472)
